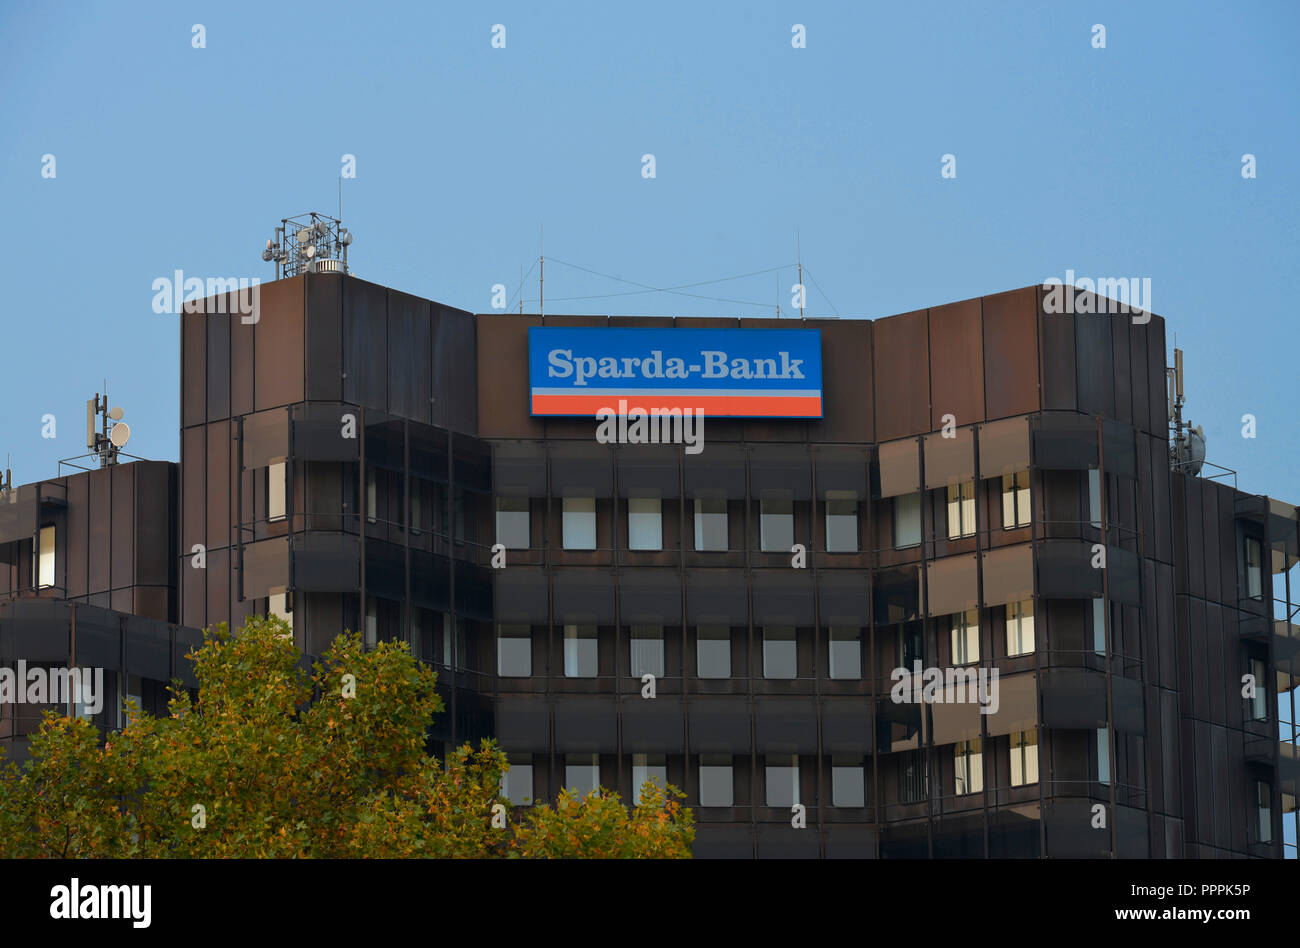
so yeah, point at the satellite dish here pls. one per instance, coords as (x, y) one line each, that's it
(303, 235)
(311, 250)
(346, 237)
(322, 227)
(115, 413)
(120, 434)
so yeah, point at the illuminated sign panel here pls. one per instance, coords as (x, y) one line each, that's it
(731, 373)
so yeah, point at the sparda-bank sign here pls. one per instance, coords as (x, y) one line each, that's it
(724, 373)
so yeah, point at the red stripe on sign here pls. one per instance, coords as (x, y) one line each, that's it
(735, 406)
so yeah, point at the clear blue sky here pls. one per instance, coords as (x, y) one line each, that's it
(1117, 162)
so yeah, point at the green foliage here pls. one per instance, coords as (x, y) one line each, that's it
(273, 761)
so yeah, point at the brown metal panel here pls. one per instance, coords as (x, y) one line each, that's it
(151, 602)
(409, 340)
(957, 363)
(100, 515)
(1214, 494)
(455, 370)
(900, 467)
(1120, 332)
(78, 539)
(1095, 362)
(218, 577)
(155, 521)
(365, 344)
(951, 584)
(503, 404)
(194, 520)
(1004, 447)
(325, 336)
(242, 361)
(278, 339)
(218, 364)
(122, 517)
(949, 460)
(193, 368)
(1057, 370)
(1137, 341)
(1156, 384)
(1011, 353)
(902, 372)
(1195, 519)
(848, 408)
(219, 485)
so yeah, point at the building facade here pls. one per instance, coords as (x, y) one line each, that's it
(987, 492)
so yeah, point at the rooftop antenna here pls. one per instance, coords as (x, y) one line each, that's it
(799, 254)
(6, 478)
(310, 243)
(541, 285)
(521, 289)
(778, 294)
(109, 440)
(1187, 447)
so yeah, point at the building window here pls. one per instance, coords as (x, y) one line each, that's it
(711, 523)
(1264, 811)
(45, 558)
(645, 524)
(1094, 497)
(277, 605)
(372, 622)
(517, 782)
(907, 520)
(780, 652)
(713, 651)
(647, 650)
(1015, 500)
(845, 652)
(1020, 628)
(968, 759)
(275, 491)
(1103, 755)
(581, 773)
(580, 651)
(1099, 626)
(1259, 703)
(132, 690)
(961, 510)
(514, 651)
(841, 521)
(513, 530)
(372, 495)
(782, 777)
(911, 776)
(776, 522)
(579, 523)
(965, 637)
(717, 787)
(1024, 758)
(453, 646)
(1253, 556)
(848, 781)
(910, 648)
(647, 767)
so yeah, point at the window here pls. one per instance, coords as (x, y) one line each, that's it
(1024, 758)
(841, 521)
(782, 775)
(1253, 556)
(1103, 755)
(512, 523)
(713, 651)
(458, 516)
(517, 782)
(416, 507)
(1099, 626)
(1020, 628)
(453, 647)
(961, 510)
(579, 523)
(1094, 497)
(848, 781)
(45, 558)
(710, 523)
(1263, 811)
(647, 767)
(776, 522)
(1015, 500)
(132, 690)
(965, 637)
(581, 773)
(780, 652)
(907, 520)
(372, 622)
(275, 490)
(372, 495)
(277, 605)
(910, 646)
(845, 652)
(911, 776)
(717, 788)
(1259, 703)
(647, 650)
(645, 525)
(580, 651)
(968, 759)
(514, 651)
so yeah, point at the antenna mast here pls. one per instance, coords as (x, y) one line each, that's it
(799, 255)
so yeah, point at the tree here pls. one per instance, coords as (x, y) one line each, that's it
(272, 760)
